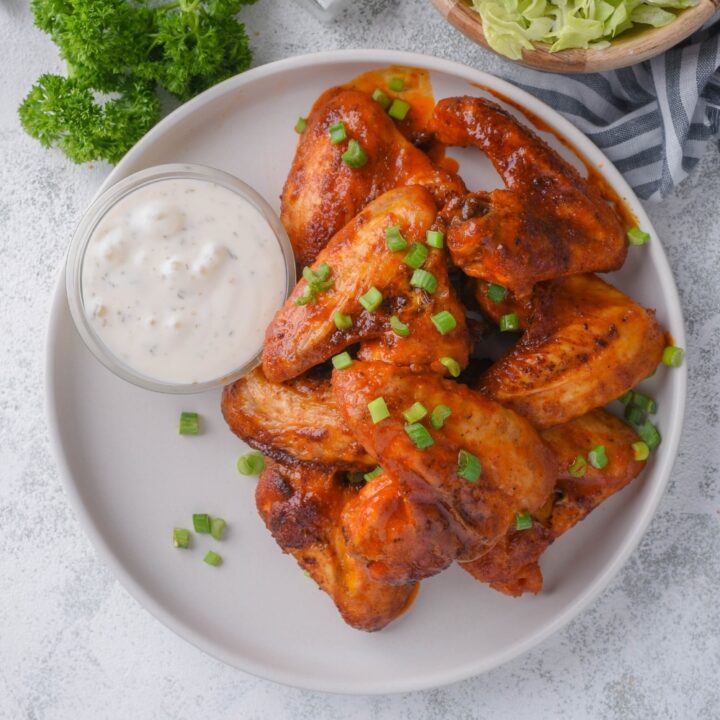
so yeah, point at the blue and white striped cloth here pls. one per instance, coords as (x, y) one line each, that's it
(653, 120)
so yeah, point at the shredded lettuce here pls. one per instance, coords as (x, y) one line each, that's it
(513, 25)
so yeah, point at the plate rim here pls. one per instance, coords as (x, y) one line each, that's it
(660, 476)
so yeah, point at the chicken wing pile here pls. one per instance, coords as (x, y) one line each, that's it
(394, 447)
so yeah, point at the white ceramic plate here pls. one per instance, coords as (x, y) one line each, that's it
(131, 477)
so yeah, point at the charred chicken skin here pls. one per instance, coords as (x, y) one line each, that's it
(549, 221)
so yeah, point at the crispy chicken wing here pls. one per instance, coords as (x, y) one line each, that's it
(586, 345)
(297, 420)
(511, 566)
(301, 507)
(322, 193)
(518, 470)
(549, 222)
(301, 336)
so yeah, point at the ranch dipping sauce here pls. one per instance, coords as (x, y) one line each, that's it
(180, 278)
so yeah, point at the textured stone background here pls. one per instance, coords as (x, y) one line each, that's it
(73, 644)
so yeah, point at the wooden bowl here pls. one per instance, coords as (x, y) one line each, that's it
(623, 52)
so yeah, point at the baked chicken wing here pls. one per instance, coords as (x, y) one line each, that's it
(549, 222)
(301, 507)
(358, 260)
(322, 193)
(511, 566)
(586, 345)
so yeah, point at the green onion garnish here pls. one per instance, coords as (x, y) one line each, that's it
(444, 322)
(201, 523)
(634, 414)
(307, 297)
(469, 467)
(523, 521)
(378, 410)
(511, 321)
(415, 412)
(300, 125)
(381, 98)
(337, 133)
(626, 399)
(342, 322)
(644, 402)
(342, 361)
(435, 239)
(397, 84)
(373, 474)
(597, 457)
(640, 450)
(416, 256)
(398, 326)
(394, 239)
(181, 538)
(452, 365)
(318, 280)
(322, 271)
(399, 109)
(217, 528)
(673, 356)
(650, 434)
(354, 156)
(424, 280)
(355, 478)
(439, 415)
(212, 558)
(371, 299)
(636, 236)
(252, 463)
(189, 423)
(496, 293)
(419, 435)
(578, 468)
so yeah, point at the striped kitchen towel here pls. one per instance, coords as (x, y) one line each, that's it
(652, 120)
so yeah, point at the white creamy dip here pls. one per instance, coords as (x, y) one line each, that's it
(180, 279)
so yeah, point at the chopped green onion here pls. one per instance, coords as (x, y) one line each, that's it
(378, 410)
(252, 463)
(419, 435)
(342, 322)
(394, 239)
(640, 450)
(181, 538)
(373, 474)
(371, 299)
(578, 468)
(435, 239)
(597, 457)
(523, 521)
(354, 156)
(415, 412)
(398, 326)
(626, 399)
(399, 109)
(189, 423)
(300, 125)
(337, 133)
(201, 523)
(469, 467)
(416, 256)
(381, 99)
(452, 365)
(397, 84)
(650, 434)
(342, 361)
(212, 558)
(424, 280)
(307, 297)
(217, 528)
(439, 415)
(634, 414)
(355, 478)
(444, 322)
(644, 402)
(511, 321)
(673, 356)
(636, 236)
(318, 280)
(496, 293)
(322, 271)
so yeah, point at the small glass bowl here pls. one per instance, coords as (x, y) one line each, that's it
(78, 246)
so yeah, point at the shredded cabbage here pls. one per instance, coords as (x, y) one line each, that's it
(513, 25)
